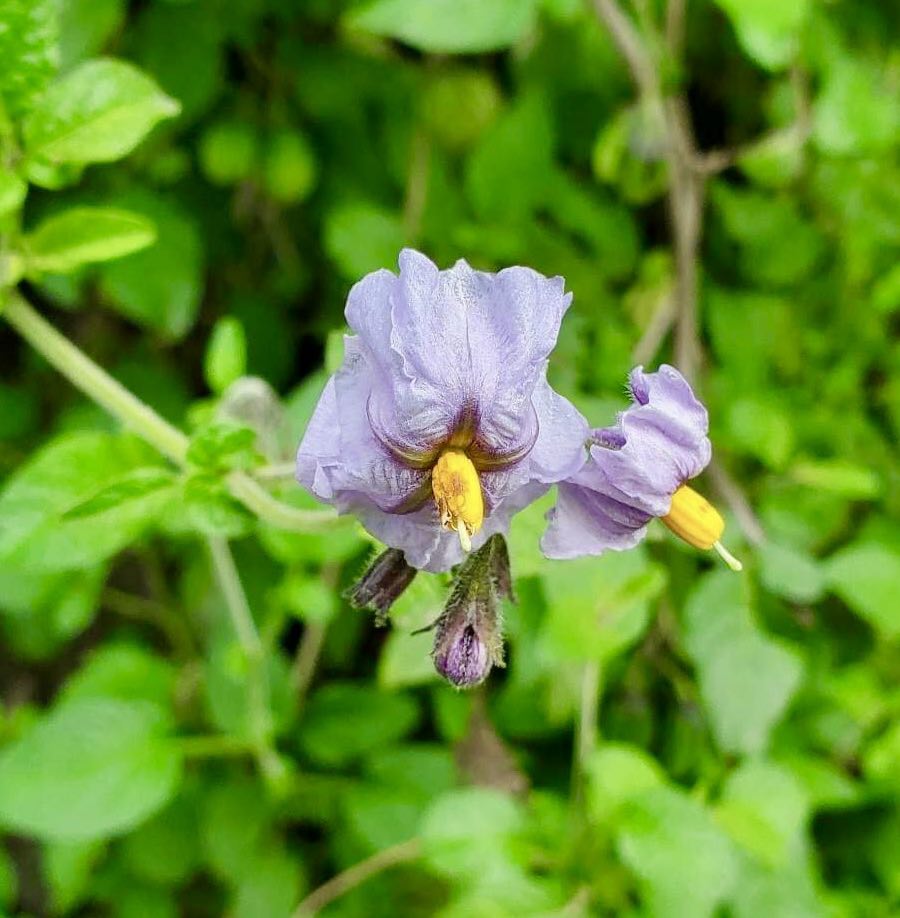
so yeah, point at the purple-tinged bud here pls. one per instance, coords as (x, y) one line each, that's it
(381, 584)
(468, 640)
(462, 658)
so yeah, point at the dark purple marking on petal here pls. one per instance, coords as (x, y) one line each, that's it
(609, 437)
(638, 386)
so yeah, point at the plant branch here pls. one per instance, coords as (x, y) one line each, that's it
(587, 729)
(99, 386)
(258, 710)
(93, 381)
(139, 608)
(685, 186)
(356, 875)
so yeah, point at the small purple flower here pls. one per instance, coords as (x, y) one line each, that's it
(441, 417)
(636, 471)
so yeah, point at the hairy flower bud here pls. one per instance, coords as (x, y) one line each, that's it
(468, 639)
(381, 584)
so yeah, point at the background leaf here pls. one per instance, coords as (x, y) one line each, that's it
(65, 241)
(91, 769)
(98, 112)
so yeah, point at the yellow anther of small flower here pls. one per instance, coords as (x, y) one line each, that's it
(457, 493)
(693, 518)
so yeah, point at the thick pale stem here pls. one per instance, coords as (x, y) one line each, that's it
(99, 386)
(93, 381)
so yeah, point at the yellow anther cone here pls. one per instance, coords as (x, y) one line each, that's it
(457, 493)
(693, 518)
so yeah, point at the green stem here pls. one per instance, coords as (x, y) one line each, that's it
(99, 386)
(95, 382)
(215, 746)
(259, 712)
(402, 853)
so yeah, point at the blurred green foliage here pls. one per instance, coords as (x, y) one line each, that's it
(187, 189)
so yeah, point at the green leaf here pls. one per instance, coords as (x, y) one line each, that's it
(161, 287)
(48, 608)
(791, 573)
(464, 830)
(761, 428)
(9, 882)
(99, 112)
(166, 850)
(229, 696)
(12, 192)
(68, 869)
(598, 607)
(838, 476)
(856, 113)
(362, 237)
(90, 769)
(765, 809)
(746, 678)
(226, 354)
(28, 37)
(222, 445)
(126, 671)
(131, 486)
(866, 576)
(289, 167)
(685, 862)
(85, 26)
(181, 45)
(428, 769)
(233, 825)
(449, 26)
(345, 721)
(768, 30)
(510, 173)
(72, 473)
(271, 887)
(68, 240)
(228, 152)
(616, 774)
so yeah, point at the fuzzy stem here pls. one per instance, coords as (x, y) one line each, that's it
(99, 386)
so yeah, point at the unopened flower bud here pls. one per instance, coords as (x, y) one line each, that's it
(468, 641)
(382, 583)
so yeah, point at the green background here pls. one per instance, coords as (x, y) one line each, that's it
(193, 721)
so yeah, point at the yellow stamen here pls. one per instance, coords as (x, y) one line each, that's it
(693, 518)
(457, 493)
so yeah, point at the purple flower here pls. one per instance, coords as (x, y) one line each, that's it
(441, 417)
(636, 471)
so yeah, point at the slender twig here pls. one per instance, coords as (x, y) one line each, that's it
(98, 385)
(685, 186)
(587, 731)
(307, 659)
(733, 496)
(275, 471)
(95, 382)
(356, 875)
(235, 598)
(139, 608)
(626, 36)
(258, 711)
(675, 18)
(655, 332)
